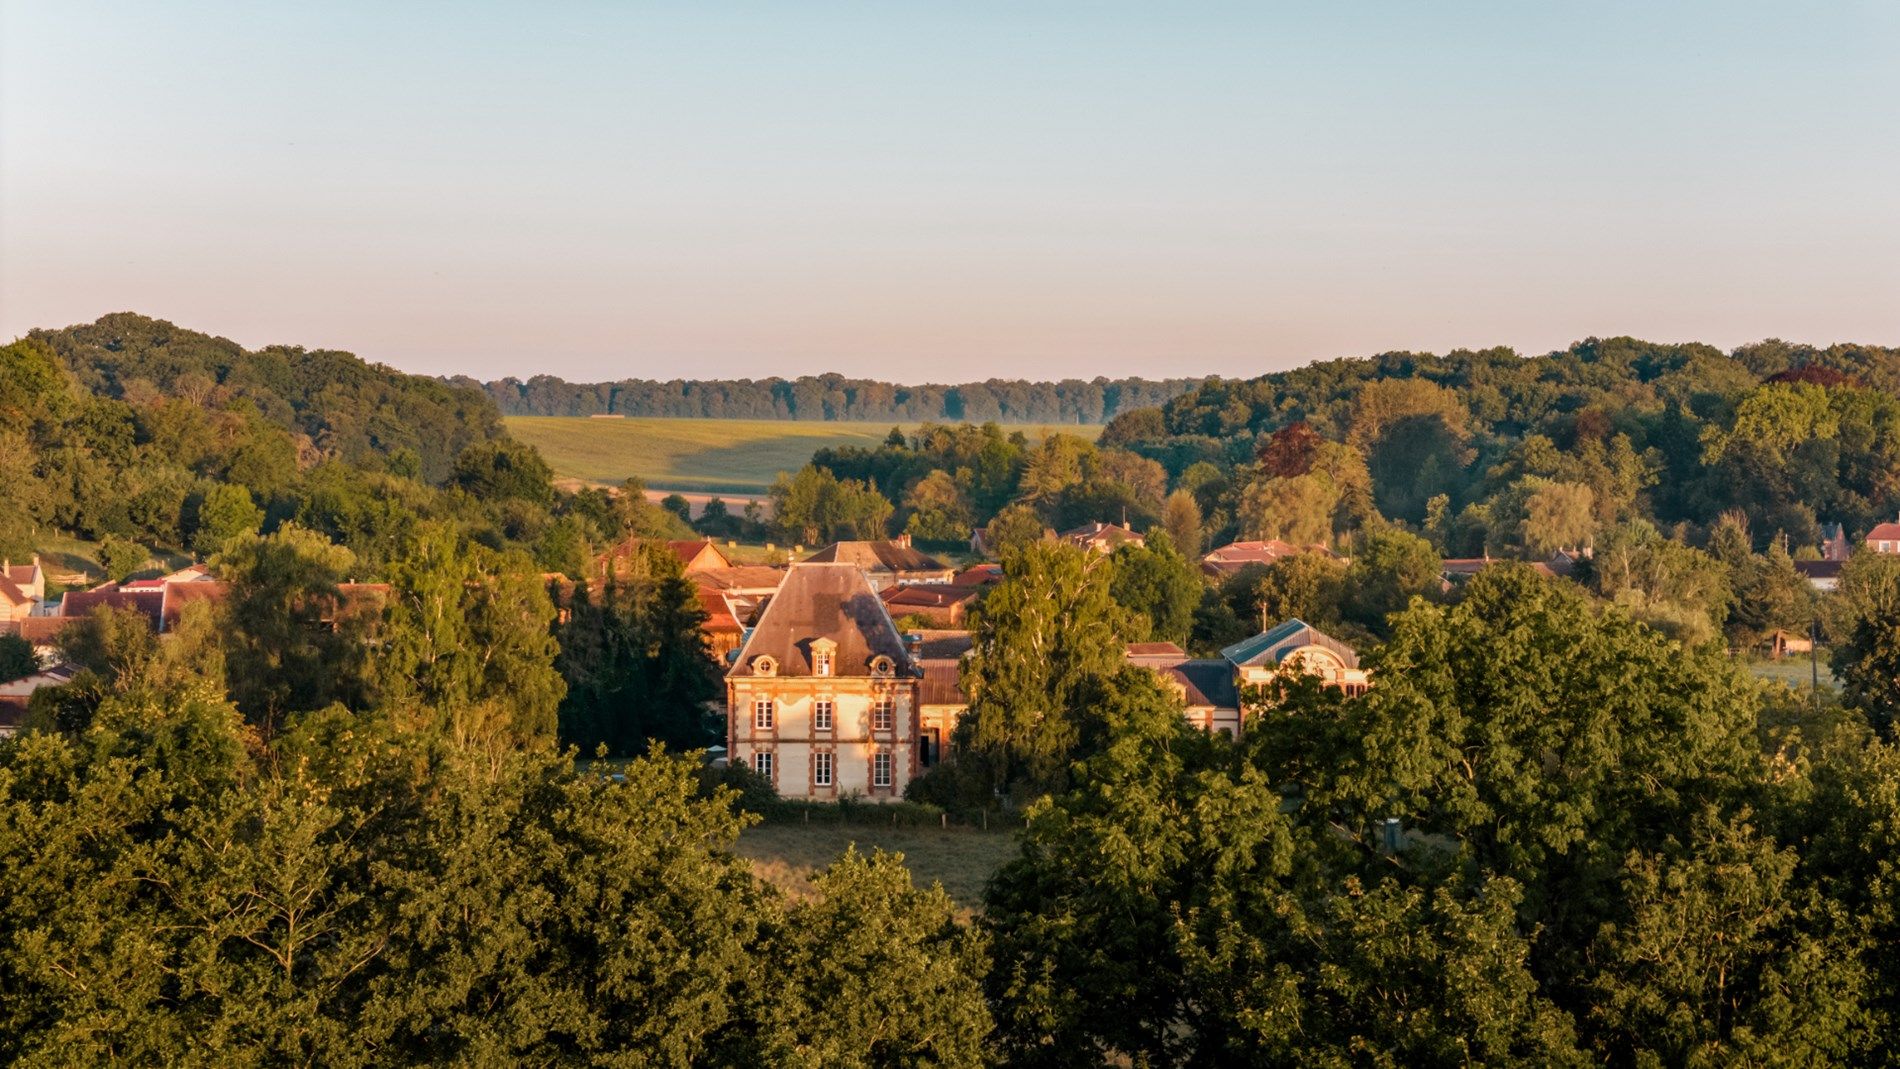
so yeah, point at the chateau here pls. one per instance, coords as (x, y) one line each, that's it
(822, 698)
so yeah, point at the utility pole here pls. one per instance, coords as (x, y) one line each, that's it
(1814, 660)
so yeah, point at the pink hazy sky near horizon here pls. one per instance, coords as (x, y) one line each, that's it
(949, 192)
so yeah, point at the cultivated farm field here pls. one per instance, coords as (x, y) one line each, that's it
(735, 456)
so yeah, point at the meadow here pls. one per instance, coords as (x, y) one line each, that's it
(789, 854)
(736, 456)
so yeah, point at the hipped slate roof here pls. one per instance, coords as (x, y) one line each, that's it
(832, 601)
(878, 557)
(1273, 646)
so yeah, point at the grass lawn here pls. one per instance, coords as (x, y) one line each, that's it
(740, 456)
(1794, 671)
(961, 859)
(65, 557)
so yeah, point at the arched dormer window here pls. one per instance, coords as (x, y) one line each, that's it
(764, 666)
(882, 665)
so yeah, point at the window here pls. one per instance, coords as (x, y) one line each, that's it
(821, 770)
(928, 744)
(883, 712)
(882, 665)
(762, 714)
(764, 666)
(821, 663)
(762, 764)
(821, 714)
(881, 769)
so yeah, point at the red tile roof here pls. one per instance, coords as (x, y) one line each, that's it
(39, 630)
(979, 575)
(719, 617)
(179, 595)
(1884, 532)
(84, 602)
(927, 595)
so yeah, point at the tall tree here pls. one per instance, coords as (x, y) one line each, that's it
(1159, 586)
(292, 641)
(635, 660)
(466, 644)
(1045, 640)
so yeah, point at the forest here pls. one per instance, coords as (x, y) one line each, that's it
(1687, 479)
(834, 397)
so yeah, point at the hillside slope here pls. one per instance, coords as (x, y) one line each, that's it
(341, 405)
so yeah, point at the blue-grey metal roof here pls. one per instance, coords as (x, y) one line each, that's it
(1273, 646)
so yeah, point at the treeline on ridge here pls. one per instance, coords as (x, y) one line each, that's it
(833, 397)
(333, 403)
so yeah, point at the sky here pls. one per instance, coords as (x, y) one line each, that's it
(945, 192)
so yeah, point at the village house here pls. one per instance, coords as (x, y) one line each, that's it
(822, 698)
(16, 694)
(1102, 537)
(937, 604)
(1884, 538)
(1296, 646)
(694, 554)
(940, 698)
(42, 631)
(979, 575)
(22, 590)
(1229, 559)
(1822, 575)
(1454, 571)
(886, 563)
(1210, 689)
(723, 629)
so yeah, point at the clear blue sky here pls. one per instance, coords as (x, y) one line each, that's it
(940, 192)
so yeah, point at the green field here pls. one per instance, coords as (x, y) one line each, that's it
(1795, 671)
(961, 859)
(737, 456)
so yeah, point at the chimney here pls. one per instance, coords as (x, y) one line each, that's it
(904, 540)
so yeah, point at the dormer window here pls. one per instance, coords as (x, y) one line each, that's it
(882, 665)
(824, 655)
(764, 666)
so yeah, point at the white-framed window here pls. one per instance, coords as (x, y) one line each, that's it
(821, 770)
(883, 712)
(821, 662)
(881, 769)
(821, 709)
(762, 710)
(882, 665)
(762, 764)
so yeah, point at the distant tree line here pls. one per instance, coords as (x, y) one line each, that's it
(834, 397)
